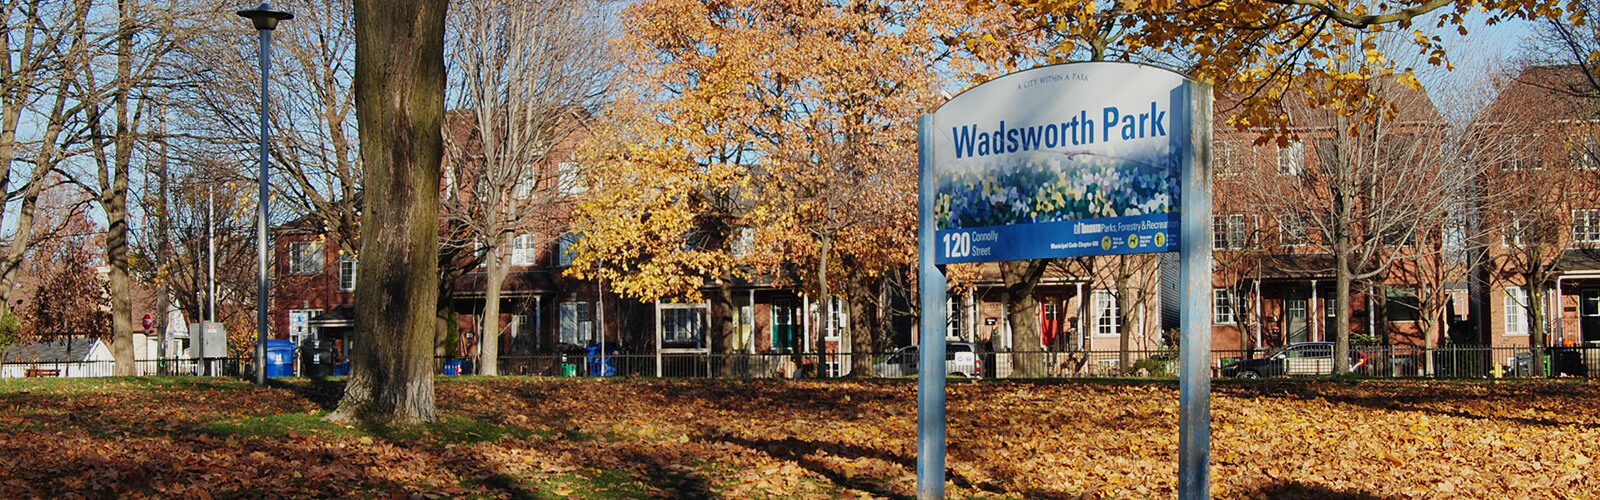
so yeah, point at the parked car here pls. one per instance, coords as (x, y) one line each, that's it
(1304, 358)
(960, 359)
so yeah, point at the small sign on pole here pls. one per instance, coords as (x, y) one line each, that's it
(1060, 161)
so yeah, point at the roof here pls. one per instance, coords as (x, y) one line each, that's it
(58, 350)
(1554, 93)
(1412, 106)
(517, 284)
(340, 315)
(1578, 260)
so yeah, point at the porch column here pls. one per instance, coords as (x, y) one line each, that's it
(1259, 316)
(752, 342)
(1312, 316)
(658, 338)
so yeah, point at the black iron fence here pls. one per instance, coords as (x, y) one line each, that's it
(1372, 361)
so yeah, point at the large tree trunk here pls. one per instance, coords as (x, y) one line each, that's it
(1535, 278)
(115, 201)
(863, 330)
(1021, 277)
(1122, 292)
(399, 88)
(1343, 278)
(489, 339)
(723, 327)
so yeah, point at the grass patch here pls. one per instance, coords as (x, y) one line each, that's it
(455, 430)
(276, 426)
(591, 485)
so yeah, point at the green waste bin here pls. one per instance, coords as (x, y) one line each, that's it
(568, 369)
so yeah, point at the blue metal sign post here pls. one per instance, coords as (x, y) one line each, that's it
(1064, 161)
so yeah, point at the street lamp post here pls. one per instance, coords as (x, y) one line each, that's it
(265, 20)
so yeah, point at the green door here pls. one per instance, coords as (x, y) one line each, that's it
(785, 326)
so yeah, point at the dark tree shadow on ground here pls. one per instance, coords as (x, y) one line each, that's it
(322, 391)
(801, 452)
(1294, 490)
(1430, 399)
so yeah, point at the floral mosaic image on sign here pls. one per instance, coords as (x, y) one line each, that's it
(1054, 186)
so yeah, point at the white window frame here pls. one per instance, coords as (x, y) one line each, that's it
(524, 250)
(743, 240)
(525, 185)
(1511, 231)
(577, 322)
(347, 274)
(1586, 226)
(684, 325)
(1108, 314)
(1222, 312)
(1582, 158)
(838, 320)
(1516, 311)
(1234, 156)
(570, 179)
(1228, 231)
(1292, 158)
(301, 256)
(1292, 231)
(958, 326)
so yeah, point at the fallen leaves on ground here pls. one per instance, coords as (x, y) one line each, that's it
(571, 438)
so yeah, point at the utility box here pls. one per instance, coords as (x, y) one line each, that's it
(210, 338)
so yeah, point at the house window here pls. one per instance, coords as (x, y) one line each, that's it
(1516, 304)
(743, 241)
(523, 250)
(1222, 307)
(1583, 158)
(1402, 304)
(837, 317)
(525, 184)
(1586, 226)
(1511, 233)
(576, 327)
(1228, 232)
(564, 249)
(1233, 157)
(570, 178)
(957, 327)
(1107, 313)
(1514, 158)
(1291, 158)
(347, 274)
(1292, 231)
(305, 257)
(683, 326)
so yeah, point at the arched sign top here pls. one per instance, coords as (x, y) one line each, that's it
(1053, 69)
(1061, 161)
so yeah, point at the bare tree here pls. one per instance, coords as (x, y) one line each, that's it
(127, 57)
(1380, 183)
(525, 77)
(45, 51)
(313, 112)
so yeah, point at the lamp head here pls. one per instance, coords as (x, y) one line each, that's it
(264, 17)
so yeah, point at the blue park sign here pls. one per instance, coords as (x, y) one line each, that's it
(1061, 161)
(1065, 161)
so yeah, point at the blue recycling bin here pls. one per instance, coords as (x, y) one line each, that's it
(452, 368)
(595, 361)
(280, 358)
